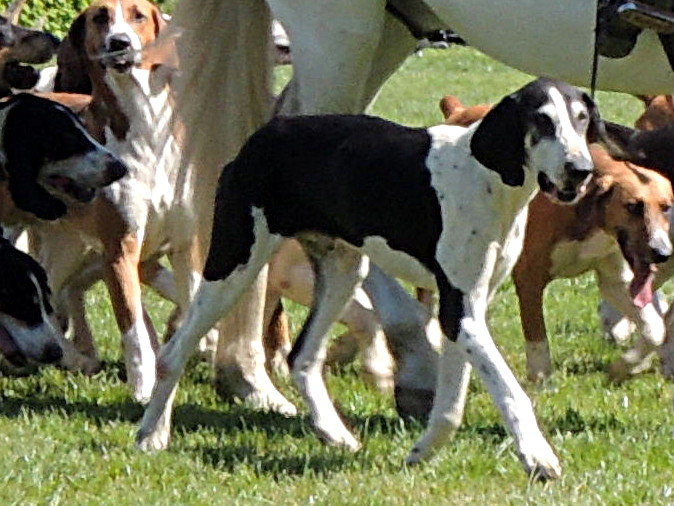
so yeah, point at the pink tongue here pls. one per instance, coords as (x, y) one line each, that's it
(641, 288)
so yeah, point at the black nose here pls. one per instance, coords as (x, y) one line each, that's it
(7, 38)
(51, 353)
(660, 255)
(577, 171)
(119, 42)
(116, 170)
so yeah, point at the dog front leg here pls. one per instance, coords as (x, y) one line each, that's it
(534, 451)
(530, 297)
(648, 320)
(139, 341)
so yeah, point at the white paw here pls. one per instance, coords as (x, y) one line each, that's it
(142, 390)
(540, 461)
(340, 439)
(152, 441)
(272, 402)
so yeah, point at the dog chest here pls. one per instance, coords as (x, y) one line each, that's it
(572, 258)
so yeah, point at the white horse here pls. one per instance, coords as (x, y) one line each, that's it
(342, 53)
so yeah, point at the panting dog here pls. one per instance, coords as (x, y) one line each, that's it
(48, 163)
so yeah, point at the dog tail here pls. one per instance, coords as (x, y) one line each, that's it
(233, 231)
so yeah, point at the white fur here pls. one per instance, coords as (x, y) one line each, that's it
(490, 244)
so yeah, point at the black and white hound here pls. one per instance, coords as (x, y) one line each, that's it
(48, 162)
(451, 200)
(47, 159)
(27, 330)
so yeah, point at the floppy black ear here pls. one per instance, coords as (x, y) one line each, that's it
(596, 130)
(29, 196)
(21, 163)
(72, 75)
(498, 142)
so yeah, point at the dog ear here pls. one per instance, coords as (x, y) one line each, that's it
(596, 130)
(72, 75)
(159, 21)
(31, 197)
(498, 142)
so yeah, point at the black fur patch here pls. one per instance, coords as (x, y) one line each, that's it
(19, 297)
(37, 131)
(347, 176)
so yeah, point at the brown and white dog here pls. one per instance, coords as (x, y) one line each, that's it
(20, 46)
(110, 52)
(619, 230)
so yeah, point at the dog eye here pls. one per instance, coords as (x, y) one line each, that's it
(101, 17)
(582, 115)
(139, 17)
(666, 208)
(544, 125)
(635, 208)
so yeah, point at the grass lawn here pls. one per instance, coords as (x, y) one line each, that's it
(68, 439)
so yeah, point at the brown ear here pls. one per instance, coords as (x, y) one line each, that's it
(159, 21)
(449, 104)
(72, 75)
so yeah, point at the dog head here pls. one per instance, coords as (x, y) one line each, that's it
(658, 113)
(49, 158)
(18, 46)
(109, 35)
(545, 128)
(27, 333)
(635, 206)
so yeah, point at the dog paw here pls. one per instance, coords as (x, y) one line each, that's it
(152, 441)
(540, 461)
(341, 439)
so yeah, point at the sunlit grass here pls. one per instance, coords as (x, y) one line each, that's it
(68, 439)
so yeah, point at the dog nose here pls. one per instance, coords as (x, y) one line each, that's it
(115, 170)
(7, 38)
(51, 353)
(661, 248)
(577, 171)
(119, 42)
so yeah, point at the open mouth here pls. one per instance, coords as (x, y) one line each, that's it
(565, 196)
(641, 286)
(68, 187)
(121, 61)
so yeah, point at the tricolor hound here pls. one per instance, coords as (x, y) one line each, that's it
(48, 162)
(110, 51)
(452, 203)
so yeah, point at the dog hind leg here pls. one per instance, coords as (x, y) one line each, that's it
(339, 270)
(213, 299)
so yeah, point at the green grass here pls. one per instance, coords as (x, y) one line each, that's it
(68, 439)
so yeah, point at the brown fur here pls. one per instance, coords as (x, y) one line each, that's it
(659, 112)
(604, 207)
